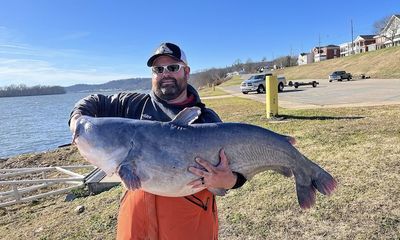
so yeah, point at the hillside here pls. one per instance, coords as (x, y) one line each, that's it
(123, 84)
(384, 63)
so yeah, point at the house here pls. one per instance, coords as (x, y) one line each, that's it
(326, 52)
(305, 58)
(364, 43)
(231, 74)
(345, 49)
(390, 34)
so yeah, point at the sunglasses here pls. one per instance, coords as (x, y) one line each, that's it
(169, 68)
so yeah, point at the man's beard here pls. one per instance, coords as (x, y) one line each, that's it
(168, 88)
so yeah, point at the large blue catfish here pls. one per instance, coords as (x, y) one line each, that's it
(155, 156)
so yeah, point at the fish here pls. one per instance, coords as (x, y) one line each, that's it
(155, 156)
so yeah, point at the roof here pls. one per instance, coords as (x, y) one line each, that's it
(329, 46)
(390, 22)
(367, 36)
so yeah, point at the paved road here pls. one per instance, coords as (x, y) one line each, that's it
(358, 92)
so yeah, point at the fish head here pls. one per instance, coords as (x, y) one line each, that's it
(102, 143)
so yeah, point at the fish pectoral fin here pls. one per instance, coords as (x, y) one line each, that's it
(128, 177)
(217, 191)
(186, 116)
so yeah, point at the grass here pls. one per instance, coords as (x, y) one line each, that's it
(360, 147)
(234, 81)
(211, 92)
(384, 63)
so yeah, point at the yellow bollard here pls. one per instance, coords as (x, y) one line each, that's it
(271, 96)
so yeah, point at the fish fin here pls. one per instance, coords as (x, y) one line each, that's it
(127, 174)
(324, 183)
(305, 195)
(287, 172)
(186, 116)
(217, 191)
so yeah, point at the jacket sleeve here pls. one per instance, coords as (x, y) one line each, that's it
(117, 105)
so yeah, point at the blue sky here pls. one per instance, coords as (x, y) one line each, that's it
(86, 41)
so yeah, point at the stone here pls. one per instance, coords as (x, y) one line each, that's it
(80, 209)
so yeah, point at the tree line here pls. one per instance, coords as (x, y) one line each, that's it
(216, 76)
(23, 90)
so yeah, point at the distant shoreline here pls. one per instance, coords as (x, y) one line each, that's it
(22, 90)
(30, 95)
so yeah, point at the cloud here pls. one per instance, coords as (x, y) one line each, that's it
(34, 72)
(23, 50)
(20, 62)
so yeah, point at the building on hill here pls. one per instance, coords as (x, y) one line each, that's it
(364, 43)
(345, 49)
(326, 52)
(390, 34)
(305, 58)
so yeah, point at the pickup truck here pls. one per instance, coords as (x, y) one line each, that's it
(256, 83)
(340, 75)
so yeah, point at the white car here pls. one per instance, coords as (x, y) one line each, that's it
(256, 83)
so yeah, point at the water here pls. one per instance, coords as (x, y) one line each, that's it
(35, 123)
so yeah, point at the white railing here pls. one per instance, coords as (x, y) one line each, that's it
(27, 185)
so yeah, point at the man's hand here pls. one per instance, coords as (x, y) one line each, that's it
(72, 124)
(220, 176)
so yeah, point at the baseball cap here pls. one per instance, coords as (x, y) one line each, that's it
(168, 49)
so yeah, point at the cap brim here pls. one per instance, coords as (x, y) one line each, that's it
(151, 60)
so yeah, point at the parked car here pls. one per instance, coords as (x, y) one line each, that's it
(340, 75)
(256, 83)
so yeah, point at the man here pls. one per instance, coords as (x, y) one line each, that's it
(146, 216)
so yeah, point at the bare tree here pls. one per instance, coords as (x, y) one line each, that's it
(381, 24)
(237, 65)
(388, 27)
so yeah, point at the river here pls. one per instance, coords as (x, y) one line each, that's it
(35, 123)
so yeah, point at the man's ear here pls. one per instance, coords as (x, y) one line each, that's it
(187, 71)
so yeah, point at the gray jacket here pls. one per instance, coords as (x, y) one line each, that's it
(139, 106)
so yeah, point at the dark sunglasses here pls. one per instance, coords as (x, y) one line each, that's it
(170, 68)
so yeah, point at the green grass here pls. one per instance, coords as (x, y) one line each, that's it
(211, 92)
(360, 147)
(234, 81)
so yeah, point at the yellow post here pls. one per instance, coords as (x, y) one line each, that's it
(271, 96)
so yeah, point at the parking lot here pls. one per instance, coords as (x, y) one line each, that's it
(358, 92)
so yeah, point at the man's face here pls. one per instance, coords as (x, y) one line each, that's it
(169, 85)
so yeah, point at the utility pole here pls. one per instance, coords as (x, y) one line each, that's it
(352, 38)
(319, 47)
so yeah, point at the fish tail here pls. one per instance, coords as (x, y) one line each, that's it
(305, 195)
(322, 181)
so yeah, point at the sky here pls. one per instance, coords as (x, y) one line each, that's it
(66, 42)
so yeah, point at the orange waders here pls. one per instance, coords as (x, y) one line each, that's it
(143, 215)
